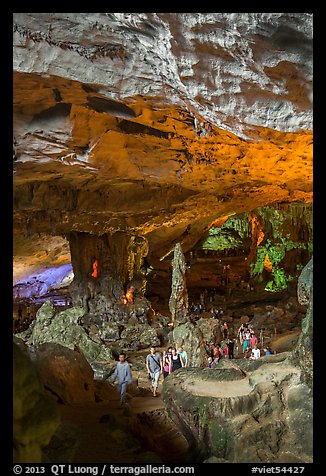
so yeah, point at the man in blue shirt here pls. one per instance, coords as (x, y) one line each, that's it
(154, 367)
(123, 373)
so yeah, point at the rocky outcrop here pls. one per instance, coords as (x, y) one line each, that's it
(250, 411)
(211, 329)
(63, 328)
(105, 268)
(135, 337)
(303, 353)
(192, 340)
(36, 416)
(243, 416)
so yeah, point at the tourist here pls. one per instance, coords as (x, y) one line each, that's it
(167, 364)
(253, 340)
(240, 333)
(225, 330)
(183, 355)
(267, 350)
(217, 353)
(209, 349)
(230, 345)
(211, 363)
(176, 360)
(255, 353)
(123, 373)
(245, 346)
(154, 365)
(247, 336)
(226, 351)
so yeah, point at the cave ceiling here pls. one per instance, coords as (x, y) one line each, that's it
(158, 124)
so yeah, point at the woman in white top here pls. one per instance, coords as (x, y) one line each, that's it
(255, 353)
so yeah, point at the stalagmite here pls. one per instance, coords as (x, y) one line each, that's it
(178, 303)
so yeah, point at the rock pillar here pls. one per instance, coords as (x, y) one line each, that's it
(178, 302)
(303, 353)
(105, 268)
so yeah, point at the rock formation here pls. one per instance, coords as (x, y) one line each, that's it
(179, 297)
(303, 353)
(205, 146)
(249, 411)
(36, 416)
(216, 123)
(63, 328)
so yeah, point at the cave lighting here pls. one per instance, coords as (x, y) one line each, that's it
(129, 295)
(267, 263)
(95, 269)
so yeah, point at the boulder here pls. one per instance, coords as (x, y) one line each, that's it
(252, 416)
(35, 415)
(110, 331)
(64, 328)
(65, 373)
(211, 329)
(191, 338)
(140, 336)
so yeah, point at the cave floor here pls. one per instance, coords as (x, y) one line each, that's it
(140, 427)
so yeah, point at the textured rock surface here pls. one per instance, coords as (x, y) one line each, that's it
(191, 339)
(303, 353)
(65, 373)
(36, 416)
(119, 258)
(63, 328)
(178, 302)
(215, 122)
(263, 412)
(251, 416)
(194, 56)
(139, 337)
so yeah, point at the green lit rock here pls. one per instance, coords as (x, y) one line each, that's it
(63, 328)
(287, 240)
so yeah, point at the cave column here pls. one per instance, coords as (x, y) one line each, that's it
(105, 268)
(178, 302)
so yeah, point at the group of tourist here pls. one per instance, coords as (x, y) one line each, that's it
(156, 365)
(216, 352)
(173, 358)
(248, 341)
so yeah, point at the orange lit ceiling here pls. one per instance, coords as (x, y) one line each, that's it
(142, 163)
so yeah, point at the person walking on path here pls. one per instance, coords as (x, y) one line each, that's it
(183, 355)
(255, 353)
(167, 364)
(176, 360)
(123, 373)
(154, 367)
(225, 330)
(230, 345)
